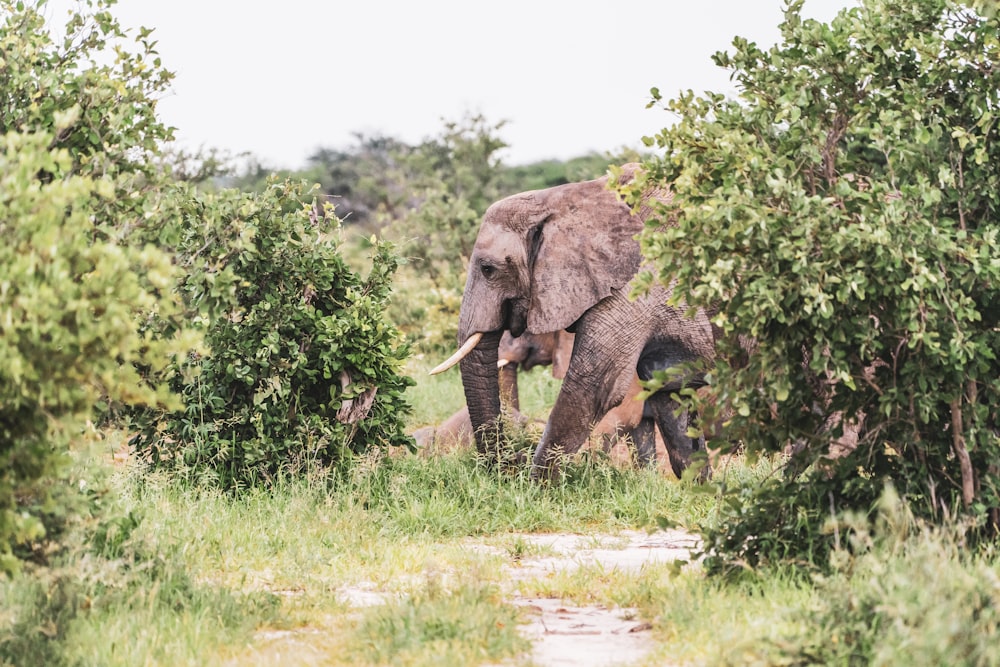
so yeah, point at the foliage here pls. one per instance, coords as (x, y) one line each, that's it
(455, 178)
(428, 198)
(303, 366)
(793, 514)
(842, 213)
(75, 134)
(869, 612)
(88, 89)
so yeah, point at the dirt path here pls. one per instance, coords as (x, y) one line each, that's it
(592, 636)
(563, 634)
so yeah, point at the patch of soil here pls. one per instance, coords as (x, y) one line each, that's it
(564, 634)
(592, 635)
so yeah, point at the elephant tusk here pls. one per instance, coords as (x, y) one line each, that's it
(460, 354)
(503, 362)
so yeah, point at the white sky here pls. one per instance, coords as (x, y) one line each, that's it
(280, 79)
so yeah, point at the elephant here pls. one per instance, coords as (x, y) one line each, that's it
(524, 353)
(527, 351)
(559, 259)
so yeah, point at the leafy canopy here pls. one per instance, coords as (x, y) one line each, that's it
(842, 213)
(303, 366)
(75, 136)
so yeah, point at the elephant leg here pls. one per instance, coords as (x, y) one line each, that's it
(609, 340)
(586, 396)
(673, 425)
(643, 436)
(569, 424)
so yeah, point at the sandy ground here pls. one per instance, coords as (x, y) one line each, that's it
(593, 636)
(563, 634)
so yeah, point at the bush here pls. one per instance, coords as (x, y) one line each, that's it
(869, 611)
(69, 335)
(302, 365)
(75, 174)
(843, 214)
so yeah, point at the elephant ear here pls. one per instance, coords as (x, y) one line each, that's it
(584, 248)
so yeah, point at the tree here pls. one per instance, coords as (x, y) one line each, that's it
(364, 182)
(74, 291)
(454, 177)
(843, 214)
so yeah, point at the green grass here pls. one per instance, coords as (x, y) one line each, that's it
(192, 575)
(435, 397)
(441, 623)
(180, 575)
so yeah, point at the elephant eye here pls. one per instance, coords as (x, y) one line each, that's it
(488, 270)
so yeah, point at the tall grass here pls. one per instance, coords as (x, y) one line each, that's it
(457, 495)
(181, 575)
(125, 598)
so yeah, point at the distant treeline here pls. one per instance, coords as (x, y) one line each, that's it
(379, 179)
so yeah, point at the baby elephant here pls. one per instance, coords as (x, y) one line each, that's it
(524, 353)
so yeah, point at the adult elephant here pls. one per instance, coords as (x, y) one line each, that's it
(628, 418)
(562, 258)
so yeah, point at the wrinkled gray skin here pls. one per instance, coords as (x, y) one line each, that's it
(562, 258)
(530, 350)
(631, 419)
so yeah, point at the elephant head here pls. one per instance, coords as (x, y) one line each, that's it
(527, 351)
(561, 259)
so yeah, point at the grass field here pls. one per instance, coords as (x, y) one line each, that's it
(187, 576)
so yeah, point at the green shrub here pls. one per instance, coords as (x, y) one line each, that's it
(905, 593)
(69, 337)
(843, 214)
(78, 134)
(302, 365)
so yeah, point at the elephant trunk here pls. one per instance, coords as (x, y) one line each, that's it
(480, 379)
(508, 385)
